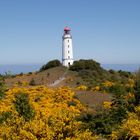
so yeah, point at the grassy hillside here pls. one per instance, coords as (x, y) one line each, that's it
(41, 78)
(83, 72)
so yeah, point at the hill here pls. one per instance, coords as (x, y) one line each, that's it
(45, 77)
(84, 101)
(84, 76)
(83, 72)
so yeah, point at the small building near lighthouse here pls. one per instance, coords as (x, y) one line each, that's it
(67, 48)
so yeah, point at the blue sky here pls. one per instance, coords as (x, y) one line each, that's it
(107, 31)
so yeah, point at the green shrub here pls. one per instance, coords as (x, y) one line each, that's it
(137, 88)
(32, 82)
(21, 74)
(124, 73)
(2, 89)
(23, 107)
(119, 108)
(111, 71)
(105, 121)
(8, 74)
(117, 89)
(48, 74)
(4, 116)
(72, 103)
(19, 83)
(90, 71)
(50, 64)
(29, 73)
(85, 64)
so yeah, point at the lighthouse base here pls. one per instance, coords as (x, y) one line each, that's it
(67, 63)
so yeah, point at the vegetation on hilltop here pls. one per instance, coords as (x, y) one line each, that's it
(85, 64)
(82, 72)
(50, 64)
(93, 74)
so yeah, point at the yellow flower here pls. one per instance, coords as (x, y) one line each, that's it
(108, 84)
(82, 87)
(97, 88)
(107, 105)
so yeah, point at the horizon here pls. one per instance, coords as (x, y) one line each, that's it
(31, 31)
(25, 68)
(18, 64)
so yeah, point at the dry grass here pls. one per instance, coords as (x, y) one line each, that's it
(41, 78)
(93, 100)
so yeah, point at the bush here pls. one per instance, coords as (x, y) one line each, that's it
(29, 73)
(117, 89)
(111, 71)
(4, 116)
(23, 107)
(90, 71)
(105, 121)
(82, 87)
(130, 127)
(32, 82)
(85, 64)
(50, 64)
(72, 103)
(137, 88)
(2, 89)
(9, 75)
(124, 73)
(21, 74)
(19, 83)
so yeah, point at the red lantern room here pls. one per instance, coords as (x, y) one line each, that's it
(67, 30)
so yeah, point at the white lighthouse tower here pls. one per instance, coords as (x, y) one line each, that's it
(67, 50)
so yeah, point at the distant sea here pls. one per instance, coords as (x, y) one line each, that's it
(124, 67)
(16, 69)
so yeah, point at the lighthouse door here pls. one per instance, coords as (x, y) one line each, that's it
(69, 64)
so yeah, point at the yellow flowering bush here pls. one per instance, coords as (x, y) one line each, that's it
(96, 88)
(107, 105)
(54, 117)
(108, 84)
(25, 83)
(130, 128)
(130, 95)
(82, 87)
(131, 83)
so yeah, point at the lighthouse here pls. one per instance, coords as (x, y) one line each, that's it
(67, 50)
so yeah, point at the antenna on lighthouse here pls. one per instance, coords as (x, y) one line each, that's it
(67, 49)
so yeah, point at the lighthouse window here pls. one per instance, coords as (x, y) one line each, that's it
(68, 56)
(68, 51)
(68, 40)
(68, 46)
